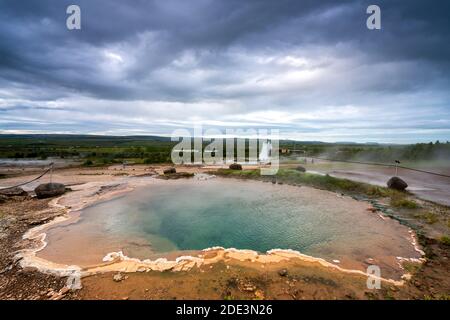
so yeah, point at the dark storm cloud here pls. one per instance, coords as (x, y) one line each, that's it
(171, 62)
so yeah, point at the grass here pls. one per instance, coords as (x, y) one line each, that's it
(429, 217)
(88, 163)
(399, 201)
(412, 267)
(445, 240)
(437, 297)
(326, 182)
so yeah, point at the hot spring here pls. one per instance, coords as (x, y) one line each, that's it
(174, 218)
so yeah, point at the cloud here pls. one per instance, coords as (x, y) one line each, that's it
(310, 68)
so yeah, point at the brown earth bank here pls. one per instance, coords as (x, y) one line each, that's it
(229, 279)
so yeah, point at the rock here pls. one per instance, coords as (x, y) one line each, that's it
(300, 168)
(397, 184)
(50, 293)
(118, 277)
(48, 190)
(283, 272)
(56, 296)
(3, 198)
(248, 288)
(28, 270)
(235, 166)
(170, 171)
(64, 291)
(177, 175)
(13, 192)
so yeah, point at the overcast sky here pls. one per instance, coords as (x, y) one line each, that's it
(309, 68)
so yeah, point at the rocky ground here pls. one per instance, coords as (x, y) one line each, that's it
(17, 215)
(223, 280)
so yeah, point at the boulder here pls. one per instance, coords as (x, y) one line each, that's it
(235, 166)
(13, 192)
(300, 168)
(170, 171)
(48, 190)
(397, 184)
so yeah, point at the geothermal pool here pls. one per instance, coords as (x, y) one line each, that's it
(173, 218)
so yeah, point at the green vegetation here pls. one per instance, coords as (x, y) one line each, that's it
(429, 217)
(374, 152)
(325, 182)
(437, 297)
(103, 150)
(400, 201)
(90, 150)
(445, 240)
(88, 163)
(412, 267)
(389, 296)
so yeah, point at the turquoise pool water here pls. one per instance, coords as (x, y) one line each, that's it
(183, 215)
